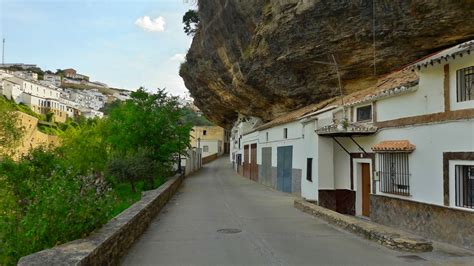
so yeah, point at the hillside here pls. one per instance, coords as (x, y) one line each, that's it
(260, 58)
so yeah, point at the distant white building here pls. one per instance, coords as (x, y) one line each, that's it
(52, 79)
(90, 113)
(122, 96)
(92, 99)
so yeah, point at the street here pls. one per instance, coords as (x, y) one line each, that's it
(221, 218)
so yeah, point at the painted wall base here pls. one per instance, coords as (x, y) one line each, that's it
(339, 200)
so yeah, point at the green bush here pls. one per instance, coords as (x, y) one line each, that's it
(57, 195)
(45, 203)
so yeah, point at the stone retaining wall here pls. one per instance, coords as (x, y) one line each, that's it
(209, 158)
(112, 241)
(389, 237)
(440, 223)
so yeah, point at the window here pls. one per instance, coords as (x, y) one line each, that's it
(204, 132)
(266, 136)
(309, 169)
(364, 113)
(205, 148)
(285, 133)
(465, 84)
(394, 173)
(464, 186)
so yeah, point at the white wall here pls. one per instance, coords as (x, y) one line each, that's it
(426, 162)
(213, 147)
(460, 62)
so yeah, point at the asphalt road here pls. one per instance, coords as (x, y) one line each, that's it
(272, 232)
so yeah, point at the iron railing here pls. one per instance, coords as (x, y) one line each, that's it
(465, 84)
(464, 186)
(394, 173)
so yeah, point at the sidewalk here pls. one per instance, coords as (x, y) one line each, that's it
(389, 237)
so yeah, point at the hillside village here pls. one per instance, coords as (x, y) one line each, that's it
(66, 94)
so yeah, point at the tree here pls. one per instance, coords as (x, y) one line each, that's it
(191, 22)
(148, 121)
(11, 131)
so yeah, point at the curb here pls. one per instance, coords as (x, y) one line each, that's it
(386, 236)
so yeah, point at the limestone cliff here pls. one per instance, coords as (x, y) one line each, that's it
(261, 57)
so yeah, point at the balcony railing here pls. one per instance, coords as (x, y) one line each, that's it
(348, 130)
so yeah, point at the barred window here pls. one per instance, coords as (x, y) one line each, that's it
(464, 186)
(465, 84)
(394, 173)
(205, 148)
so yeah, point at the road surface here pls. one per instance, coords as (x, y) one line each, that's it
(221, 218)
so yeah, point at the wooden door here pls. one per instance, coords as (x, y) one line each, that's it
(284, 168)
(365, 189)
(253, 162)
(246, 161)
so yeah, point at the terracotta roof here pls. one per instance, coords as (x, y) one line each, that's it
(394, 146)
(295, 115)
(391, 84)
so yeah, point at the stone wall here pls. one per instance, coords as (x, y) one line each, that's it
(389, 237)
(209, 158)
(435, 222)
(112, 241)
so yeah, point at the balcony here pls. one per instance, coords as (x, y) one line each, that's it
(346, 130)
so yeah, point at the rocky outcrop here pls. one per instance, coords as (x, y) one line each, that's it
(262, 57)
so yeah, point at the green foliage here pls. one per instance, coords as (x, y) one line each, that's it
(84, 148)
(134, 167)
(191, 22)
(156, 123)
(10, 131)
(45, 203)
(57, 195)
(189, 116)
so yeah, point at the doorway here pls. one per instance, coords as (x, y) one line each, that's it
(362, 174)
(365, 174)
(284, 168)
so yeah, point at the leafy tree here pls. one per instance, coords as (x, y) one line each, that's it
(151, 121)
(50, 117)
(84, 147)
(134, 167)
(10, 130)
(191, 22)
(194, 119)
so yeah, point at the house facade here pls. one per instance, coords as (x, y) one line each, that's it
(211, 139)
(400, 153)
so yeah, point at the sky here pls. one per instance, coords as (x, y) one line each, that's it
(124, 43)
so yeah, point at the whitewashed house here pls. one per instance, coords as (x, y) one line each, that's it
(52, 79)
(400, 153)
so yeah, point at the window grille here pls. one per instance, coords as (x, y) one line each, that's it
(394, 173)
(465, 84)
(205, 148)
(464, 186)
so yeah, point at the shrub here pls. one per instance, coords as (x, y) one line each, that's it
(44, 204)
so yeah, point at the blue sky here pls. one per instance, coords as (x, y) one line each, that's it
(122, 43)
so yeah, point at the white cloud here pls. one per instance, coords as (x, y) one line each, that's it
(178, 57)
(149, 24)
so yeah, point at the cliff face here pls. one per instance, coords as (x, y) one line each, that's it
(262, 57)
